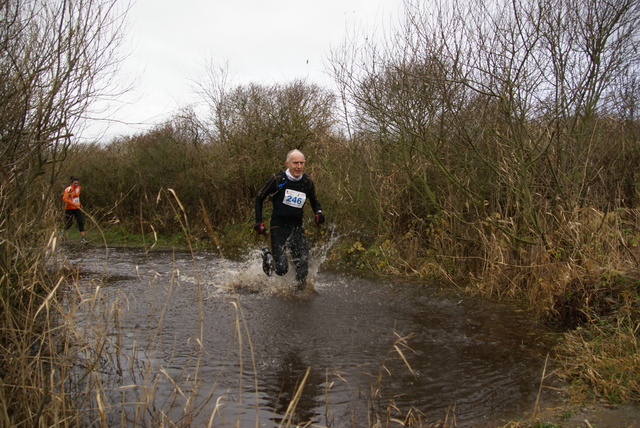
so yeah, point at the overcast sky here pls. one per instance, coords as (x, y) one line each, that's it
(263, 41)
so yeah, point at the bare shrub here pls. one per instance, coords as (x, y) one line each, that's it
(53, 58)
(497, 116)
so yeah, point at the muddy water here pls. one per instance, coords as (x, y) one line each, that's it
(213, 337)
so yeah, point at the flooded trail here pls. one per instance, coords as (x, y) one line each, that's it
(213, 337)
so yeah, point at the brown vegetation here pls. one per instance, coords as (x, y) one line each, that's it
(493, 147)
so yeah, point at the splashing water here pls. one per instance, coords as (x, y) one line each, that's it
(250, 278)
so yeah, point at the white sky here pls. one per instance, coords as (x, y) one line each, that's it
(263, 41)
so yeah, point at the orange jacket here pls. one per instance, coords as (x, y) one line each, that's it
(71, 197)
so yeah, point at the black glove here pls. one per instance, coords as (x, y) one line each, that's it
(259, 227)
(319, 218)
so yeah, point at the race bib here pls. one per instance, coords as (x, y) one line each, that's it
(294, 199)
(76, 200)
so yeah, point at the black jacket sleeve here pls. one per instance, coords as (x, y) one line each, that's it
(269, 188)
(315, 205)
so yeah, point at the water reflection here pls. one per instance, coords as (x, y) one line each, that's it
(283, 391)
(479, 360)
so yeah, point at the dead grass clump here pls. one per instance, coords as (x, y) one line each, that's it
(600, 354)
(608, 297)
(34, 345)
(601, 359)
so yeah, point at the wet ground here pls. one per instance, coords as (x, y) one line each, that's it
(210, 337)
(591, 415)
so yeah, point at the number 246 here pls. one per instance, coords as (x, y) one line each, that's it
(294, 199)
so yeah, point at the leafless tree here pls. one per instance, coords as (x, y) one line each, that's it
(56, 56)
(498, 107)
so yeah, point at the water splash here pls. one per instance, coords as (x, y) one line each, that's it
(251, 279)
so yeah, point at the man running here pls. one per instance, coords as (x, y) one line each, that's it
(71, 197)
(289, 191)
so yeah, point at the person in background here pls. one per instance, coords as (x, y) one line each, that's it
(71, 197)
(288, 190)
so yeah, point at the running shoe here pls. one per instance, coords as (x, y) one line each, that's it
(268, 264)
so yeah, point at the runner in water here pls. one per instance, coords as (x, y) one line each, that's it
(288, 191)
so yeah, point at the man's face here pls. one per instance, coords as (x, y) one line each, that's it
(295, 164)
(75, 183)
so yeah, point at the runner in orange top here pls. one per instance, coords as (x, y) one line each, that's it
(71, 197)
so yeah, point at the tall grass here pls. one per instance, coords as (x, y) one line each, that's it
(37, 342)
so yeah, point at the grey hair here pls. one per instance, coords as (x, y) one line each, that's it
(292, 152)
